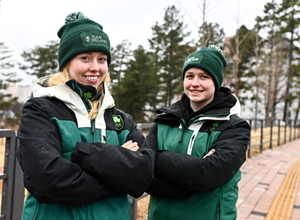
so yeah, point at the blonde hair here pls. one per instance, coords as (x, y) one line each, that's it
(64, 76)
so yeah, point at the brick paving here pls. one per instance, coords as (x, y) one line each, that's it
(262, 176)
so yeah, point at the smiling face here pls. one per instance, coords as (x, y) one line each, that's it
(199, 87)
(89, 68)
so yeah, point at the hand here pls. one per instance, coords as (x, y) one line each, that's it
(131, 146)
(210, 153)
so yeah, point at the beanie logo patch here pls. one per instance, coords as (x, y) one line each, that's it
(196, 58)
(94, 38)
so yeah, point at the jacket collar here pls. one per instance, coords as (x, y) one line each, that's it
(223, 105)
(67, 94)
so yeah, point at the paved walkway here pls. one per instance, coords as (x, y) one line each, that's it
(262, 178)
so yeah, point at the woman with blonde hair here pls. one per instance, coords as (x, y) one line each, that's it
(81, 156)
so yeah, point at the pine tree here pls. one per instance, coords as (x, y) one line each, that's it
(136, 85)
(7, 75)
(211, 34)
(120, 58)
(41, 60)
(239, 52)
(296, 69)
(289, 24)
(170, 50)
(272, 62)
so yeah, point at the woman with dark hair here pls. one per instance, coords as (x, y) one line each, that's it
(201, 143)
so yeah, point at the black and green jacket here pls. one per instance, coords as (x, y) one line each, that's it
(188, 185)
(74, 167)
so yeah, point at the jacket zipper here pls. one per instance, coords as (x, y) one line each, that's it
(93, 127)
(192, 139)
(88, 106)
(191, 144)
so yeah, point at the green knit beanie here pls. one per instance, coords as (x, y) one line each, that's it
(211, 60)
(81, 35)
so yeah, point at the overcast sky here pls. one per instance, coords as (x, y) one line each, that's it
(25, 24)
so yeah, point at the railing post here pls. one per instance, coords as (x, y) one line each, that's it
(12, 189)
(139, 126)
(285, 125)
(18, 195)
(271, 133)
(261, 135)
(133, 208)
(294, 130)
(278, 135)
(291, 130)
(298, 129)
(249, 148)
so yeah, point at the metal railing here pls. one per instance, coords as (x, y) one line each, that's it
(270, 133)
(12, 179)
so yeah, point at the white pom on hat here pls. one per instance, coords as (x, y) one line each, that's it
(74, 16)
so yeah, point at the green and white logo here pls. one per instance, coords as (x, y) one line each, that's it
(94, 38)
(196, 58)
(119, 122)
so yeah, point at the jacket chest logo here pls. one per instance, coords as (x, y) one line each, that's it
(119, 122)
(214, 126)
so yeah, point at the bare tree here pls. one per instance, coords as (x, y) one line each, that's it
(209, 33)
